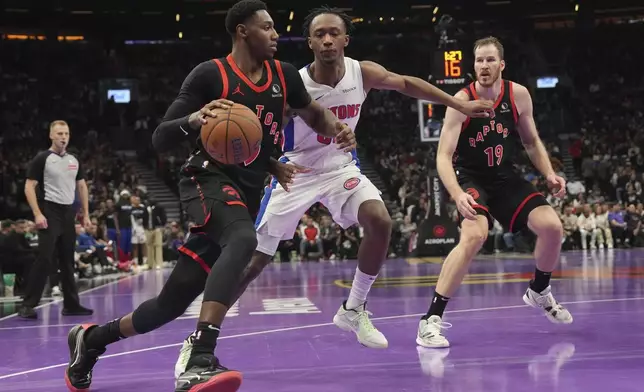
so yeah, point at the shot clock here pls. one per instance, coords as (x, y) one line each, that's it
(450, 69)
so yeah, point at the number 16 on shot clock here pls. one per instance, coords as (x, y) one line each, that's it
(453, 60)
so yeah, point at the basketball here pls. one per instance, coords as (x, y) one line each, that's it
(234, 136)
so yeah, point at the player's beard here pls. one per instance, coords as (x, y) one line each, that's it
(490, 79)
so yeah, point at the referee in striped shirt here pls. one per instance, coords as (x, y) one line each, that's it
(52, 179)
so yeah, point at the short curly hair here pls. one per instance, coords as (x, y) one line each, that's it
(240, 12)
(346, 19)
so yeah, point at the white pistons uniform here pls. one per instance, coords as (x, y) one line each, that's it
(335, 179)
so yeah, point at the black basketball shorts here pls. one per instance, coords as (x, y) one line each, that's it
(213, 202)
(507, 199)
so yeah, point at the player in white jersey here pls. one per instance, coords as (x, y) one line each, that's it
(333, 176)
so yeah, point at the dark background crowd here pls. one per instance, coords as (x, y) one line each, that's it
(591, 122)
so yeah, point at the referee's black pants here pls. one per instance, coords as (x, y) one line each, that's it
(57, 241)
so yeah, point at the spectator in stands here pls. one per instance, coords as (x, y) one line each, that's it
(618, 224)
(311, 243)
(154, 220)
(407, 229)
(174, 238)
(137, 214)
(16, 255)
(587, 226)
(604, 235)
(328, 235)
(124, 209)
(570, 228)
(348, 242)
(92, 251)
(633, 226)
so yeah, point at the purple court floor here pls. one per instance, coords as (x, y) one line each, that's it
(281, 336)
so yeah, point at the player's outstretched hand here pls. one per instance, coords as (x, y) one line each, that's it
(197, 119)
(345, 138)
(465, 204)
(557, 184)
(285, 173)
(478, 108)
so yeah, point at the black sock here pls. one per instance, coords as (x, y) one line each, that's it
(103, 335)
(541, 280)
(437, 308)
(205, 340)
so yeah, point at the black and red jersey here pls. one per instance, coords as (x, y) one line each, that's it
(488, 146)
(279, 85)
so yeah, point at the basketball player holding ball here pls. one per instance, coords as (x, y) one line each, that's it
(475, 162)
(223, 199)
(341, 84)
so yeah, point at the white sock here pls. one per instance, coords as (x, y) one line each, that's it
(359, 289)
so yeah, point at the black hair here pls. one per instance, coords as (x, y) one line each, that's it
(346, 19)
(240, 12)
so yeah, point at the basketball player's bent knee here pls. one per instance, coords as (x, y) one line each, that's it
(373, 216)
(473, 234)
(545, 223)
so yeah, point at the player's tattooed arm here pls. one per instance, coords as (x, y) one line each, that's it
(375, 76)
(528, 131)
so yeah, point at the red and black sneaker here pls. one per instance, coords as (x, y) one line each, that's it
(78, 375)
(205, 374)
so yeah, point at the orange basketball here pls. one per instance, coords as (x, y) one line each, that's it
(234, 136)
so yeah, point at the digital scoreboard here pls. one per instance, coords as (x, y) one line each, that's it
(450, 68)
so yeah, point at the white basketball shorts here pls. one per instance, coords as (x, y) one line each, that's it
(341, 191)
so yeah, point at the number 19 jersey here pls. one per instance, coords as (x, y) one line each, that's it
(487, 146)
(301, 145)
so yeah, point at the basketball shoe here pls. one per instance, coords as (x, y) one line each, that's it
(544, 300)
(357, 320)
(207, 375)
(430, 332)
(78, 375)
(184, 356)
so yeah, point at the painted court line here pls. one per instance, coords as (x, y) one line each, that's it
(57, 301)
(301, 327)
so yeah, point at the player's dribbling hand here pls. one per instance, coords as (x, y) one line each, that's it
(197, 119)
(285, 173)
(478, 108)
(345, 138)
(558, 184)
(465, 204)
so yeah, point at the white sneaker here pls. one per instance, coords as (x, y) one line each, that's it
(554, 311)
(55, 291)
(184, 356)
(430, 333)
(357, 320)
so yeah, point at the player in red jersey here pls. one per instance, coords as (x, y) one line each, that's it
(475, 161)
(222, 199)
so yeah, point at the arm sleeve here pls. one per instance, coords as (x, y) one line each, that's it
(200, 87)
(296, 95)
(36, 169)
(81, 171)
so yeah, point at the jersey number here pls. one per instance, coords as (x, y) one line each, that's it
(494, 152)
(325, 140)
